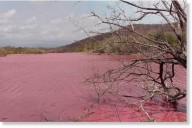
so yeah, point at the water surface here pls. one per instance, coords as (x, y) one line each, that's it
(49, 87)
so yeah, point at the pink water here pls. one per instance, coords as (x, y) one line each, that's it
(49, 87)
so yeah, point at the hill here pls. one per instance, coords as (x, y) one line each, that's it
(107, 42)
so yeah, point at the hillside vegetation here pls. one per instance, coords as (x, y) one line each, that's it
(110, 42)
(20, 50)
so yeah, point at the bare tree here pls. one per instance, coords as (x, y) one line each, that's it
(154, 69)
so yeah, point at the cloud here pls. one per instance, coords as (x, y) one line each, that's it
(31, 19)
(3, 21)
(5, 17)
(39, 2)
(41, 22)
(9, 28)
(27, 27)
(56, 21)
(71, 16)
(8, 14)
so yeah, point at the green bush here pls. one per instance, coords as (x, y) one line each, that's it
(21, 50)
(3, 52)
(166, 36)
(33, 51)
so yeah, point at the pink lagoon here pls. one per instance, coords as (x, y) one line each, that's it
(49, 87)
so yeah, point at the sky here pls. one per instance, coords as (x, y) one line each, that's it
(50, 23)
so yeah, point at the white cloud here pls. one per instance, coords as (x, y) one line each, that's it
(71, 16)
(27, 27)
(8, 14)
(56, 21)
(39, 2)
(31, 19)
(41, 28)
(3, 21)
(7, 28)
(39, 25)
(19, 35)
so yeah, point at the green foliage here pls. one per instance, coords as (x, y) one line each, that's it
(33, 51)
(20, 50)
(3, 52)
(166, 36)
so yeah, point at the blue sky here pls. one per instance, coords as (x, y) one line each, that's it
(49, 23)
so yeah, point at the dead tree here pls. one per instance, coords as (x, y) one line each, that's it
(154, 69)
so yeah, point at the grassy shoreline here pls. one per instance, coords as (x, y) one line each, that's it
(4, 51)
